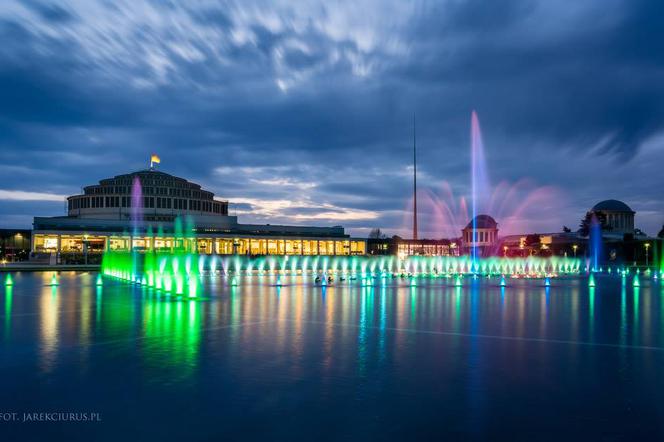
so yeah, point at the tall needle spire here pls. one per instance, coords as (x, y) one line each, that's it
(414, 181)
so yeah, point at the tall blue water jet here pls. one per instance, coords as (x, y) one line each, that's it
(595, 240)
(479, 181)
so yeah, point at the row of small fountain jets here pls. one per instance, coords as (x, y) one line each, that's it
(170, 283)
(182, 274)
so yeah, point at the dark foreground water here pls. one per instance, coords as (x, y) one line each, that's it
(390, 362)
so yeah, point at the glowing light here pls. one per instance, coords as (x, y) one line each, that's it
(8, 280)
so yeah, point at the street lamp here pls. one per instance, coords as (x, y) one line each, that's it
(504, 250)
(85, 248)
(574, 247)
(647, 246)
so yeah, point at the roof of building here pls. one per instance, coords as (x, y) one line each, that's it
(613, 206)
(483, 222)
(226, 225)
(147, 174)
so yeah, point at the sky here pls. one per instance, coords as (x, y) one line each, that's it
(302, 112)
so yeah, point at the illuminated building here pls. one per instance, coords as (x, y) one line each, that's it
(542, 244)
(619, 216)
(14, 245)
(480, 234)
(412, 247)
(119, 214)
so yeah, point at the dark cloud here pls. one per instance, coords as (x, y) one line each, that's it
(568, 95)
(52, 13)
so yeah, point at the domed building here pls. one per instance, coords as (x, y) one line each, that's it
(148, 194)
(618, 215)
(480, 234)
(146, 210)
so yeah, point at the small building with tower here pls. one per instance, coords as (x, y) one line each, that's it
(481, 235)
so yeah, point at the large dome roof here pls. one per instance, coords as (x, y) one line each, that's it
(612, 206)
(483, 222)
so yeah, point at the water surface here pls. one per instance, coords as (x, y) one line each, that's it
(299, 362)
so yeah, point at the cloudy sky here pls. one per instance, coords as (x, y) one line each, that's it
(302, 112)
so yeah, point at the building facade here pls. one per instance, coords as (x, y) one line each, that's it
(412, 247)
(619, 216)
(149, 209)
(481, 235)
(14, 245)
(158, 196)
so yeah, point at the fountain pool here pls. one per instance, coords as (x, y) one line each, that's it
(278, 356)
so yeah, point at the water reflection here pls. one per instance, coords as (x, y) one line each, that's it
(172, 332)
(9, 298)
(327, 330)
(49, 324)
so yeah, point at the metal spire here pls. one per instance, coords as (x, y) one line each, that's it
(414, 181)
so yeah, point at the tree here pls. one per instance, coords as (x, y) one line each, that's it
(376, 234)
(532, 240)
(661, 233)
(567, 229)
(587, 221)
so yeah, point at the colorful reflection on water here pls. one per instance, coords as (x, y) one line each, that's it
(280, 356)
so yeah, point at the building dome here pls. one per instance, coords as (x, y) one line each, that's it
(612, 206)
(619, 216)
(162, 197)
(483, 222)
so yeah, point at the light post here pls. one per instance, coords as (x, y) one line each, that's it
(85, 248)
(504, 251)
(647, 246)
(574, 247)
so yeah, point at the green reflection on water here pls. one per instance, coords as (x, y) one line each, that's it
(8, 309)
(591, 312)
(173, 332)
(623, 315)
(636, 308)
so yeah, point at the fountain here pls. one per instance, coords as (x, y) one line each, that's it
(595, 238)
(479, 180)
(509, 203)
(177, 268)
